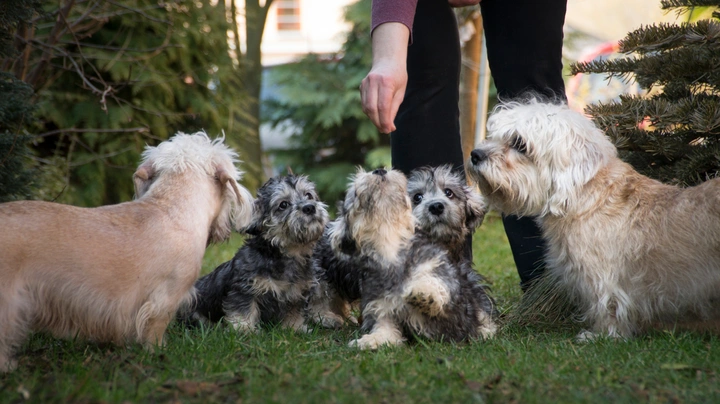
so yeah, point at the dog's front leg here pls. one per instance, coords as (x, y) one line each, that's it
(154, 335)
(152, 320)
(319, 309)
(294, 319)
(427, 293)
(385, 331)
(243, 313)
(611, 315)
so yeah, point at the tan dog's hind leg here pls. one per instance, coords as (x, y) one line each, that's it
(13, 326)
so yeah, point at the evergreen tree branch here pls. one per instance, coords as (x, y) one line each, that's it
(685, 4)
(663, 36)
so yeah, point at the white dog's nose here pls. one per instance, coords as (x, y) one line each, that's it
(477, 156)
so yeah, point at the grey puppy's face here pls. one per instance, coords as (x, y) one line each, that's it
(444, 206)
(288, 212)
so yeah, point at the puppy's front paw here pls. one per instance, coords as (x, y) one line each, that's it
(426, 303)
(487, 327)
(373, 341)
(331, 320)
(242, 324)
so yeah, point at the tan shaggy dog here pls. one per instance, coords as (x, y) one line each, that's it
(630, 250)
(118, 273)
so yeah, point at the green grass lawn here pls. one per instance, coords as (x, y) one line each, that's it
(522, 364)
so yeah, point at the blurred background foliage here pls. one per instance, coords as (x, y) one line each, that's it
(316, 100)
(107, 78)
(101, 79)
(86, 84)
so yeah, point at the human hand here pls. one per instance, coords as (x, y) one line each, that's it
(383, 89)
(463, 3)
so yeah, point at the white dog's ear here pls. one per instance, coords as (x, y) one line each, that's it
(574, 168)
(143, 178)
(238, 205)
(475, 209)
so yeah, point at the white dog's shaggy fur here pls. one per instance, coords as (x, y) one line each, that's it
(629, 249)
(118, 273)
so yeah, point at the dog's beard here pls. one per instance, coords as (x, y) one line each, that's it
(298, 229)
(440, 227)
(519, 188)
(445, 233)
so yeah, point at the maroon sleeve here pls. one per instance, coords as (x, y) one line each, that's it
(402, 11)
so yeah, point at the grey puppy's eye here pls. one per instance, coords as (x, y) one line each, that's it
(283, 205)
(309, 196)
(417, 198)
(449, 193)
(518, 144)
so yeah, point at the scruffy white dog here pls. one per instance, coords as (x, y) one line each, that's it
(118, 273)
(629, 249)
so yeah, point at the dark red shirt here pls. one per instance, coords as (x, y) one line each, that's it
(402, 11)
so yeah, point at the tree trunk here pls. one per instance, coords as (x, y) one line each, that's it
(250, 72)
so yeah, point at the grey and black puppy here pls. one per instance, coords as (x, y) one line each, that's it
(409, 284)
(338, 281)
(445, 207)
(271, 277)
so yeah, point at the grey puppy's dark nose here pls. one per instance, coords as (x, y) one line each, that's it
(436, 208)
(477, 156)
(308, 209)
(379, 171)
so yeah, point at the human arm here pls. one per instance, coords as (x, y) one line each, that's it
(383, 89)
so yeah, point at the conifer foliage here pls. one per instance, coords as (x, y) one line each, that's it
(16, 108)
(108, 77)
(673, 133)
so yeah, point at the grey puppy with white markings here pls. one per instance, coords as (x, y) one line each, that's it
(271, 277)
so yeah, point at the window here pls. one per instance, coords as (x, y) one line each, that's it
(288, 15)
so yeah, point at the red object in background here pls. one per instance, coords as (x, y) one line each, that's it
(583, 89)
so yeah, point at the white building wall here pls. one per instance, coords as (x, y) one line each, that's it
(322, 29)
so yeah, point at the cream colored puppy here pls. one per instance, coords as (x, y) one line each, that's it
(118, 273)
(629, 249)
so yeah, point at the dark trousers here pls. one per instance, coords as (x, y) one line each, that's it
(524, 44)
